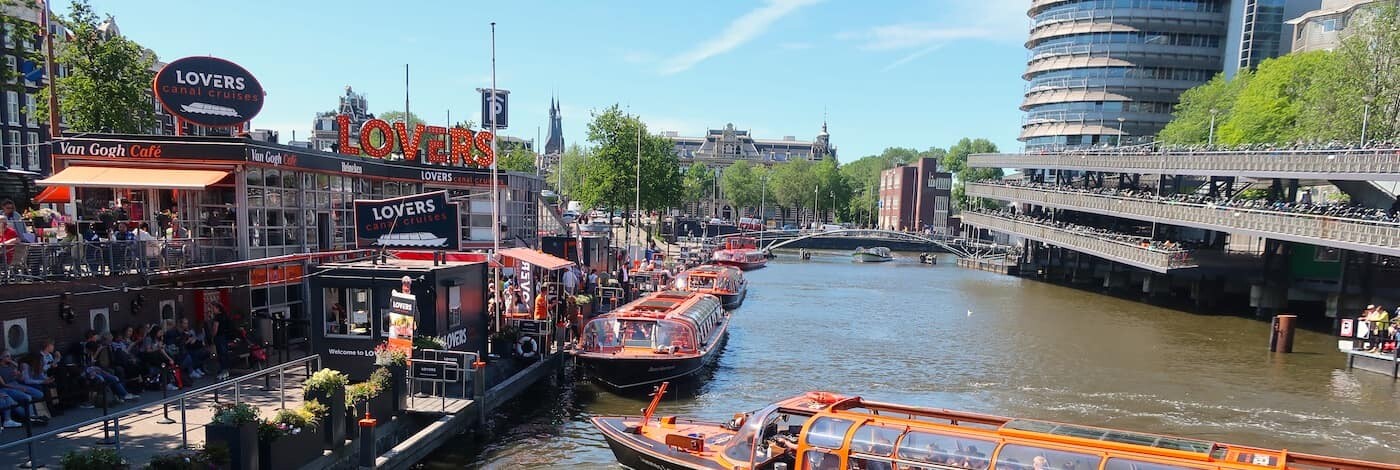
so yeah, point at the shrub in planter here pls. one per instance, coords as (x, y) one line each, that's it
(92, 459)
(503, 342)
(428, 342)
(235, 426)
(327, 387)
(289, 439)
(200, 460)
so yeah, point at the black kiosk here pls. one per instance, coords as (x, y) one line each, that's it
(349, 308)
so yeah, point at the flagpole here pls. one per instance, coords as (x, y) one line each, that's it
(54, 131)
(495, 179)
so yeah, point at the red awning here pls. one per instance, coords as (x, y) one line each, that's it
(539, 259)
(55, 195)
(453, 256)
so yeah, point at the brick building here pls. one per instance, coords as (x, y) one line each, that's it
(915, 196)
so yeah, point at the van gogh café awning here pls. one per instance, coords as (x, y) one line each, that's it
(249, 199)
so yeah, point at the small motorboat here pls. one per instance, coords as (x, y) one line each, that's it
(740, 252)
(821, 430)
(877, 254)
(725, 282)
(928, 258)
(804, 254)
(659, 337)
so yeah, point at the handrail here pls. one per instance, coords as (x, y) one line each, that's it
(164, 401)
(1147, 257)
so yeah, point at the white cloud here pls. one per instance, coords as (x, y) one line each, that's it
(987, 20)
(741, 30)
(636, 57)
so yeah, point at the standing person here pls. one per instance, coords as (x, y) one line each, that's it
(16, 219)
(221, 330)
(570, 281)
(9, 237)
(591, 285)
(1380, 327)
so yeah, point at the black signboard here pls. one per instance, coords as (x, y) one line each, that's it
(500, 109)
(422, 221)
(325, 161)
(209, 91)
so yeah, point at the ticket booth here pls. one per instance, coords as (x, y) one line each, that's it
(350, 305)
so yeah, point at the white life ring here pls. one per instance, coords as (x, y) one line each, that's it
(527, 347)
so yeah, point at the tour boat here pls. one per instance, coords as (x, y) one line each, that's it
(650, 278)
(877, 254)
(827, 431)
(740, 252)
(662, 336)
(725, 282)
(415, 239)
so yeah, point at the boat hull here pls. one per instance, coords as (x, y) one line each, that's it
(743, 265)
(869, 258)
(638, 454)
(629, 374)
(733, 301)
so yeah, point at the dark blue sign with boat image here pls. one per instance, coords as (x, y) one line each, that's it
(422, 221)
(209, 91)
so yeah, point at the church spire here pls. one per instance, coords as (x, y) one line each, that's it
(554, 143)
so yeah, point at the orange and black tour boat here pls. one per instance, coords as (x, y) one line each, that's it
(740, 252)
(661, 336)
(824, 431)
(725, 282)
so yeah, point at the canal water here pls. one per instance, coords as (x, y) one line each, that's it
(957, 338)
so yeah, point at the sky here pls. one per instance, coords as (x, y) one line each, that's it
(912, 73)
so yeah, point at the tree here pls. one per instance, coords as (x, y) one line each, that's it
(742, 184)
(517, 159)
(571, 166)
(1365, 65)
(698, 183)
(862, 177)
(792, 182)
(955, 162)
(108, 87)
(610, 176)
(1191, 121)
(412, 121)
(1268, 108)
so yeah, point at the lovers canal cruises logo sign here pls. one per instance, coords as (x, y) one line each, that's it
(438, 145)
(423, 221)
(209, 91)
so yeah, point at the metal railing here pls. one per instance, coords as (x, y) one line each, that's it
(1349, 164)
(1129, 253)
(113, 420)
(30, 262)
(1353, 234)
(441, 368)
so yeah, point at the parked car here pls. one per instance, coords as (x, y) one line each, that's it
(790, 228)
(570, 216)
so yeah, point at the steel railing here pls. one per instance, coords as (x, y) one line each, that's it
(1373, 236)
(1368, 164)
(113, 420)
(1135, 254)
(27, 262)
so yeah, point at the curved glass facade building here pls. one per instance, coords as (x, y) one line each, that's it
(1096, 66)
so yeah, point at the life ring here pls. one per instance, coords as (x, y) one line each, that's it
(527, 347)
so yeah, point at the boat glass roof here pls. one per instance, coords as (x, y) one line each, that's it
(1124, 437)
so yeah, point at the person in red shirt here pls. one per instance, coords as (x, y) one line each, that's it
(8, 239)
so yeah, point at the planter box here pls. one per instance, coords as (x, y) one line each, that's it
(398, 388)
(290, 451)
(241, 441)
(381, 408)
(333, 425)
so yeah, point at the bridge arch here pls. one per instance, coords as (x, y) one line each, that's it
(899, 236)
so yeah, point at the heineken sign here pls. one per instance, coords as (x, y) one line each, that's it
(208, 91)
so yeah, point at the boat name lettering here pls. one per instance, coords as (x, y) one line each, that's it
(348, 167)
(394, 211)
(660, 368)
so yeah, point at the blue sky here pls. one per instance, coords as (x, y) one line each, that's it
(910, 73)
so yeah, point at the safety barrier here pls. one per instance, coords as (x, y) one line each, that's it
(1351, 164)
(1129, 253)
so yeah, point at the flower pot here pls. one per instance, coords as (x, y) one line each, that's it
(398, 388)
(241, 441)
(333, 424)
(39, 222)
(291, 451)
(381, 407)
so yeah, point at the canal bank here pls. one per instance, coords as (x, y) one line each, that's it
(963, 339)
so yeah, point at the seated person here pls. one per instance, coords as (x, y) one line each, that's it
(12, 385)
(93, 370)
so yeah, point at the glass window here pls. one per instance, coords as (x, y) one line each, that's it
(12, 109)
(828, 432)
(1125, 464)
(1022, 456)
(818, 460)
(943, 449)
(347, 311)
(272, 178)
(29, 117)
(875, 440)
(32, 151)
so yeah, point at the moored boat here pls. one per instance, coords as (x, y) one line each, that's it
(740, 252)
(649, 278)
(877, 254)
(661, 336)
(725, 282)
(827, 431)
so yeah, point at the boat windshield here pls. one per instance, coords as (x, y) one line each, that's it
(611, 334)
(762, 427)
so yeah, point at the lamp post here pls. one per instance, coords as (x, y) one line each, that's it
(762, 208)
(1120, 130)
(816, 205)
(1365, 116)
(833, 206)
(1211, 140)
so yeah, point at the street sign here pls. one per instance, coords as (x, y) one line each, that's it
(500, 108)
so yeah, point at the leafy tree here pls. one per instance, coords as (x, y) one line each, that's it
(833, 193)
(698, 183)
(792, 182)
(1268, 108)
(742, 183)
(398, 116)
(571, 164)
(108, 87)
(610, 176)
(863, 177)
(1365, 65)
(1190, 122)
(517, 159)
(955, 162)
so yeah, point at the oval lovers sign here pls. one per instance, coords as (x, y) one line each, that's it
(209, 91)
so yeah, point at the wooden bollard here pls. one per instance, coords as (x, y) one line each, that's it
(1282, 338)
(368, 452)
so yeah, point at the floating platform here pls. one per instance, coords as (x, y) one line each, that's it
(996, 266)
(1380, 363)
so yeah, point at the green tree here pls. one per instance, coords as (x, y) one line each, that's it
(955, 162)
(567, 177)
(1268, 107)
(391, 117)
(862, 177)
(517, 159)
(610, 176)
(792, 182)
(20, 28)
(108, 87)
(1366, 65)
(697, 183)
(1191, 121)
(742, 184)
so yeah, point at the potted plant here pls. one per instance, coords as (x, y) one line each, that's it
(503, 341)
(289, 439)
(92, 459)
(428, 342)
(585, 305)
(395, 361)
(204, 459)
(235, 426)
(369, 396)
(39, 218)
(327, 387)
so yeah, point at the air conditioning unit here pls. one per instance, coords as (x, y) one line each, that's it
(99, 320)
(17, 336)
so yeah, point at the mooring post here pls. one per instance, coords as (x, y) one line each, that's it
(368, 452)
(1282, 338)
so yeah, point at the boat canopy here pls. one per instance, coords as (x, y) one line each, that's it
(671, 320)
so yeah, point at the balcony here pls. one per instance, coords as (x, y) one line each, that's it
(1348, 164)
(54, 261)
(1151, 259)
(1350, 234)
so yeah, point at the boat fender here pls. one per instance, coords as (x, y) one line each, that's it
(527, 347)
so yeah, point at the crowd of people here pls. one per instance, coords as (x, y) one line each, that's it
(1304, 205)
(1379, 329)
(74, 249)
(1094, 232)
(1160, 148)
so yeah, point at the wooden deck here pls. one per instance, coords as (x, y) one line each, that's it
(437, 406)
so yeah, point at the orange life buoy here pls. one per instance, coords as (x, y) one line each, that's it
(825, 398)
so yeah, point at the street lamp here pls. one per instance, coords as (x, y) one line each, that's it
(833, 206)
(816, 205)
(1211, 139)
(1365, 116)
(1120, 130)
(762, 207)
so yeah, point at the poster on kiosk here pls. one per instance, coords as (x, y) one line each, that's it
(402, 312)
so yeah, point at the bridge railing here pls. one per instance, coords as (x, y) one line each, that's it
(1137, 255)
(1368, 164)
(1369, 236)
